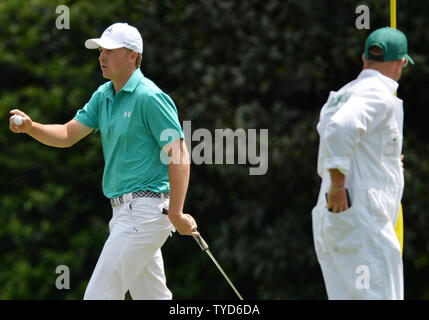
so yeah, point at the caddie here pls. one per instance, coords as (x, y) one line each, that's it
(359, 161)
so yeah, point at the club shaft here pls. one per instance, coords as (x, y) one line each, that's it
(224, 274)
(203, 245)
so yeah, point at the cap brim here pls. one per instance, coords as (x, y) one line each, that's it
(409, 59)
(104, 43)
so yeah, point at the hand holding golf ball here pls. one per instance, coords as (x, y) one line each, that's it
(17, 120)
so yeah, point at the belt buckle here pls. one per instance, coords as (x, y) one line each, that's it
(127, 197)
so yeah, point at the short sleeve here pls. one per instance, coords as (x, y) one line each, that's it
(88, 115)
(162, 119)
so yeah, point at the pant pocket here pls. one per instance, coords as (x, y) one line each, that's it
(149, 211)
(341, 230)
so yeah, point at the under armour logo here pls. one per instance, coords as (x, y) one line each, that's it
(108, 30)
(127, 114)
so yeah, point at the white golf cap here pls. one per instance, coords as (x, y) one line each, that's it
(118, 35)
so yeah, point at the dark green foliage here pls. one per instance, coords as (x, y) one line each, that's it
(227, 64)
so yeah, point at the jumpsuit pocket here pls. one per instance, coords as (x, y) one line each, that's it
(391, 145)
(341, 230)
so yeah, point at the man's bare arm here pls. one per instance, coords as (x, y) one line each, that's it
(179, 171)
(55, 135)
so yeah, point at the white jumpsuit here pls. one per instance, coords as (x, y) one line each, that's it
(360, 130)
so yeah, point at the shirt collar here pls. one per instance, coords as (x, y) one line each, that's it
(391, 84)
(130, 86)
(133, 81)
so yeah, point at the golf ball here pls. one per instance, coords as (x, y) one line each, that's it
(17, 120)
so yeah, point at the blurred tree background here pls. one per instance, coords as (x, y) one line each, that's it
(226, 64)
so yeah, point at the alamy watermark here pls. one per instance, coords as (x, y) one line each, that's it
(63, 20)
(63, 280)
(228, 146)
(363, 279)
(363, 20)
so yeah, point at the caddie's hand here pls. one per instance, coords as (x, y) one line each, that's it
(337, 200)
(184, 223)
(26, 122)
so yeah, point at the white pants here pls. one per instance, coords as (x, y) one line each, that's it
(131, 258)
(358, 250)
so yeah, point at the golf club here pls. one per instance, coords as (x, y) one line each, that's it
(203, 245)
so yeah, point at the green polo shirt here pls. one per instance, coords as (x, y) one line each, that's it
(134, 124)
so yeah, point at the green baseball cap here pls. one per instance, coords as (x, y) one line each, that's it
(393, 43)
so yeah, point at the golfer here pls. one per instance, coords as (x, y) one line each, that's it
(360, 130)
(139, 129)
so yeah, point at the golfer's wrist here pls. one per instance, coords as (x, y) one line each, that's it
(336, 188)
(175, 212)
(30, 129)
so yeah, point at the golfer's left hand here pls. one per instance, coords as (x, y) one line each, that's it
(184, 223)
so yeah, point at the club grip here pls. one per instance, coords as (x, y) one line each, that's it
(203, 245)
